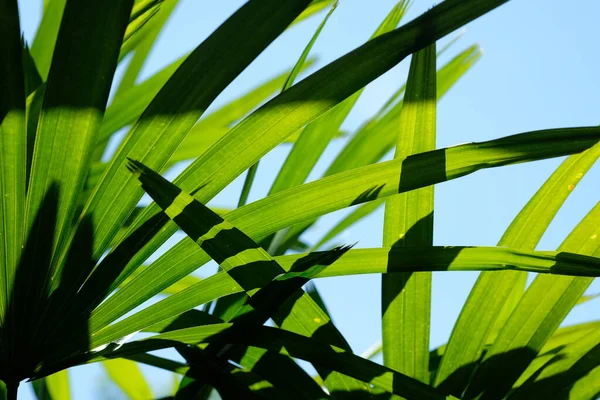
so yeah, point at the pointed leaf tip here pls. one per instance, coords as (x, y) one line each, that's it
(135, 167)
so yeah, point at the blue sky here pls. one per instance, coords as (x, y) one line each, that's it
(539, 70)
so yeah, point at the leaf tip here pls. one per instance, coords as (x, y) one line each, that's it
(135, 167)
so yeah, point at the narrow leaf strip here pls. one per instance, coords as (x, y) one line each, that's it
(42, 48)
(13, 148)
(58, 385)
(128, 377)
(408, 222)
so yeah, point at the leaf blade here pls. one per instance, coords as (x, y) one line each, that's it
(13, 149)
(408, 221)
(128, 377)
(250, 266)
(267, 127)
(525, 231)
(302, 203)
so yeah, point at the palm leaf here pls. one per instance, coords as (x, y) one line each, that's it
(361, 261)
(163, 125)
(302, 203)
(128, 377)
(236, 253)
(13, 149)
(296, 107)
(377, 136)
(537, 315)
(316, 136)
(69, 121)
(490, 294)
(406, 298)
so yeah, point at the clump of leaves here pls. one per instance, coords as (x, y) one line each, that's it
(75, 240)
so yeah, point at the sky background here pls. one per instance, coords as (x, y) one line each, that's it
(538, 71)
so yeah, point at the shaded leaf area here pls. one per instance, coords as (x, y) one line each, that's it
(23, 355)
(12, 150)
(267, 288)
(290, 343)
(71, 103)
(176, 108)
(353, 262)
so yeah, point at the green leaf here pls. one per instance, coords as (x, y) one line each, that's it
(286, 85)
(13, 154)
(141, 14)
(229, 381)
(53, 387)
(378, 136)
(282, 372)
(278, 369)
(312, 291)
(313, 8)
(491, 291)
(575, 361)
(159, 362)
(75, 98)
(58, 385)
(43, 45)
(176, 287)
(33, 80)
(562, 337)
(536, 317)
(301, 104)
(373, 139)
(305, 348)
(251, 267)
(173, 112)
(128, 377)
(316, 136)
(302, 203)
(215, 125)
(142, 44)
(291, 78)
(585, 385)
(127, 107)
(408, 222)
(362, 261)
